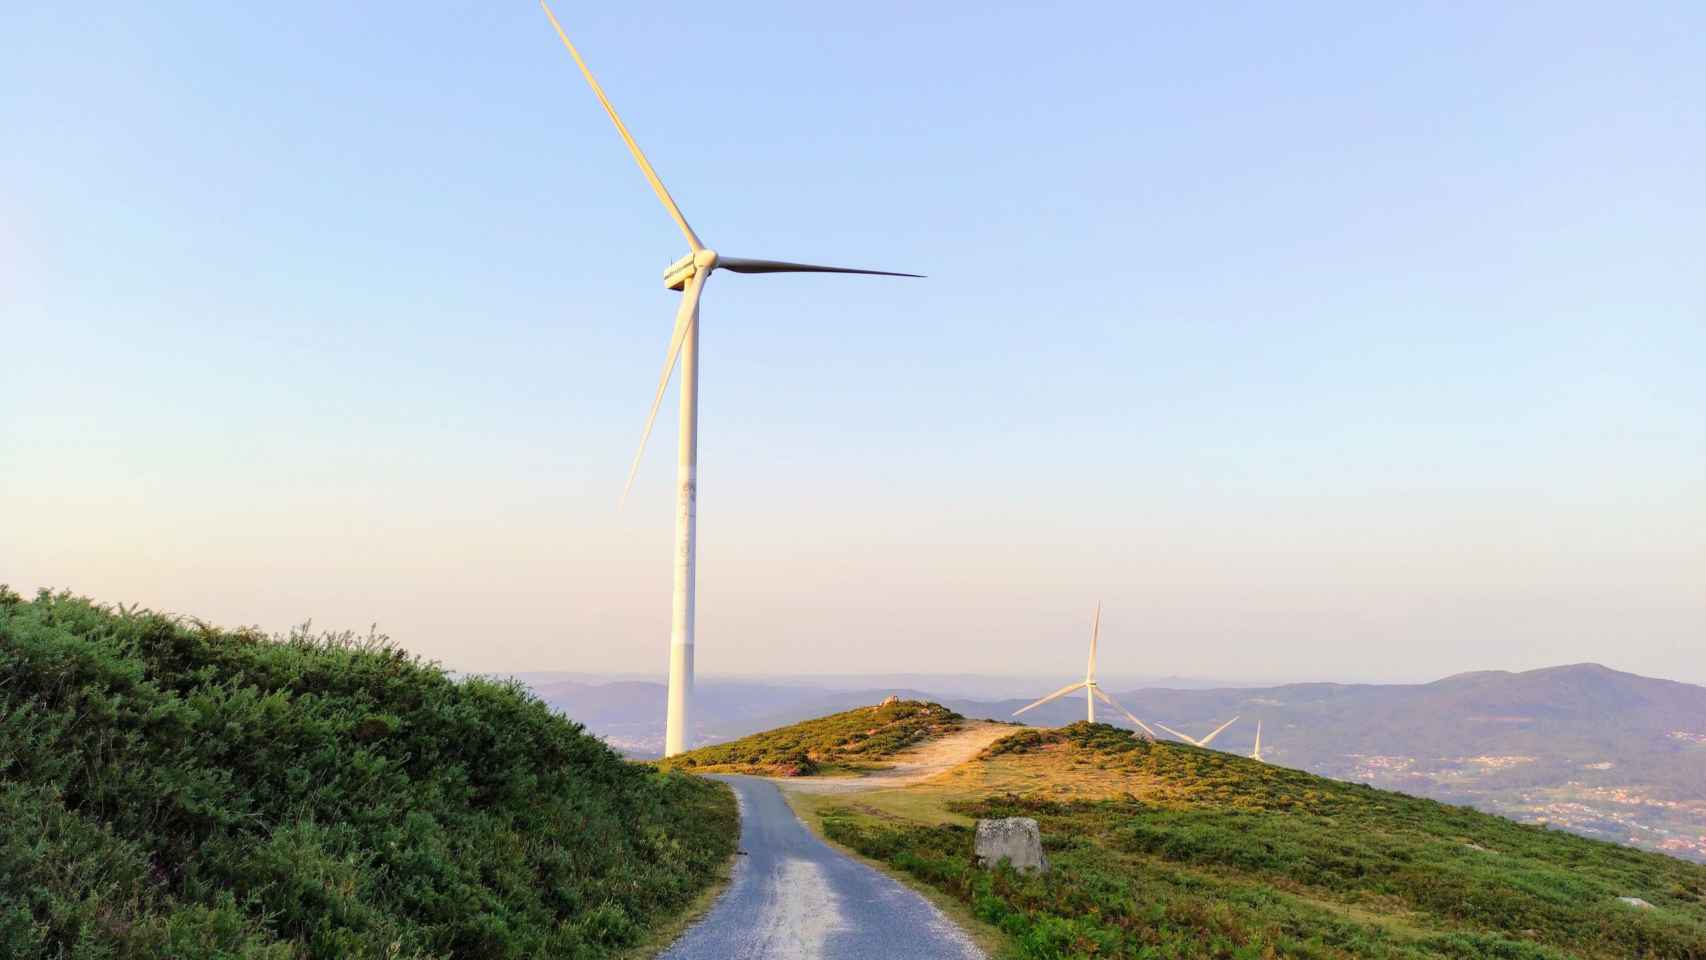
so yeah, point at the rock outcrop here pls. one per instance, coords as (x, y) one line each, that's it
(1014, 839)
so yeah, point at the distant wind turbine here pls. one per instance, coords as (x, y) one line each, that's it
(1092, 693)
(688, 275)
(1193, 741)
(1256, 754)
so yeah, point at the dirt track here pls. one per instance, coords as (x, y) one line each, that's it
(911, 766)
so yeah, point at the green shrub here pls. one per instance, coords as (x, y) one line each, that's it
(861, 737)
(169, 789)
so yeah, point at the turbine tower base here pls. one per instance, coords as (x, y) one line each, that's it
(680, 695)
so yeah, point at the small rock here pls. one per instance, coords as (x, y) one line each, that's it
(1636, 902)
(1014, 839)
(890, 699)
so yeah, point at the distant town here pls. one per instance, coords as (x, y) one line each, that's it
(1624, 814)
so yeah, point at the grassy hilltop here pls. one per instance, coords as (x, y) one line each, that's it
(1167, 850)
(1610, 754)
(841, 742)
(168, 789)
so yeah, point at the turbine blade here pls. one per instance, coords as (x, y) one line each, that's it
(1063, 691)
(743, 265)
(634, 148)
(1182, 736)
(1095, 631)
(685, 317)
(1128, 714)
(1216, 733)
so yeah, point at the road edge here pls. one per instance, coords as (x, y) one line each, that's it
(660, 938)
(987, 937)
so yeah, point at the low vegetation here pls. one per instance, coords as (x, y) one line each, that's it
(853, 740)
(1166, 850)
(168, 789)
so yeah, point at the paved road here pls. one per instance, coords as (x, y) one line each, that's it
(795, 898)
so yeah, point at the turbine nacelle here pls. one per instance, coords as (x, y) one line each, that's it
(676, 275)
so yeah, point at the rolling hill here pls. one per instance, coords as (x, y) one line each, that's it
(856, 739)
(1608, 754)
(629, 714)
(172, 790)
(1168, 850)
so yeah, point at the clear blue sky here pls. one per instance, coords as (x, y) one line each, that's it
(1319, 342)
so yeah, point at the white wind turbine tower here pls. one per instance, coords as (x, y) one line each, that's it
(687, 275)
(1092, 693)
(1256, 754)
(1193, 741)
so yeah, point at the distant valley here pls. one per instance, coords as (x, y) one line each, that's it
(1607, 754)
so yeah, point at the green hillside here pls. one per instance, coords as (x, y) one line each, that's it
(1609, 754)
(168, 789)
(854, 739)
(1167, 850)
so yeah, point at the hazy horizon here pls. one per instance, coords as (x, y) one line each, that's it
(1019, 682)
(353, 314)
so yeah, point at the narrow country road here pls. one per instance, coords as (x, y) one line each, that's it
(795, 898)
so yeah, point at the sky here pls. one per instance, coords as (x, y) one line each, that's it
(1330, 341)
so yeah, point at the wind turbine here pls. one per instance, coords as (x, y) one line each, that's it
(1193, 741)
(1092, 693)
(687, 275)
(1256, 754)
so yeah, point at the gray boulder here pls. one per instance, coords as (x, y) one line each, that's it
(1636, 902)
(1014, 839)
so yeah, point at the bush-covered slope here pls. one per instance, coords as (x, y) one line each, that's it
(861, 737)
(1166, 850)
(1609, 754)
(173, 790)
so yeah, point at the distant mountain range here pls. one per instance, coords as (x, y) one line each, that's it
(1584, 747)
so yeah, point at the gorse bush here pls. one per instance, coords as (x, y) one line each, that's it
(855, 738)
(168, 789)
(1213, 855)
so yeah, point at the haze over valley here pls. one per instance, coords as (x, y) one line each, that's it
(1584, 748)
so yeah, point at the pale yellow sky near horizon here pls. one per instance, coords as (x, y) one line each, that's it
(1281, 590)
